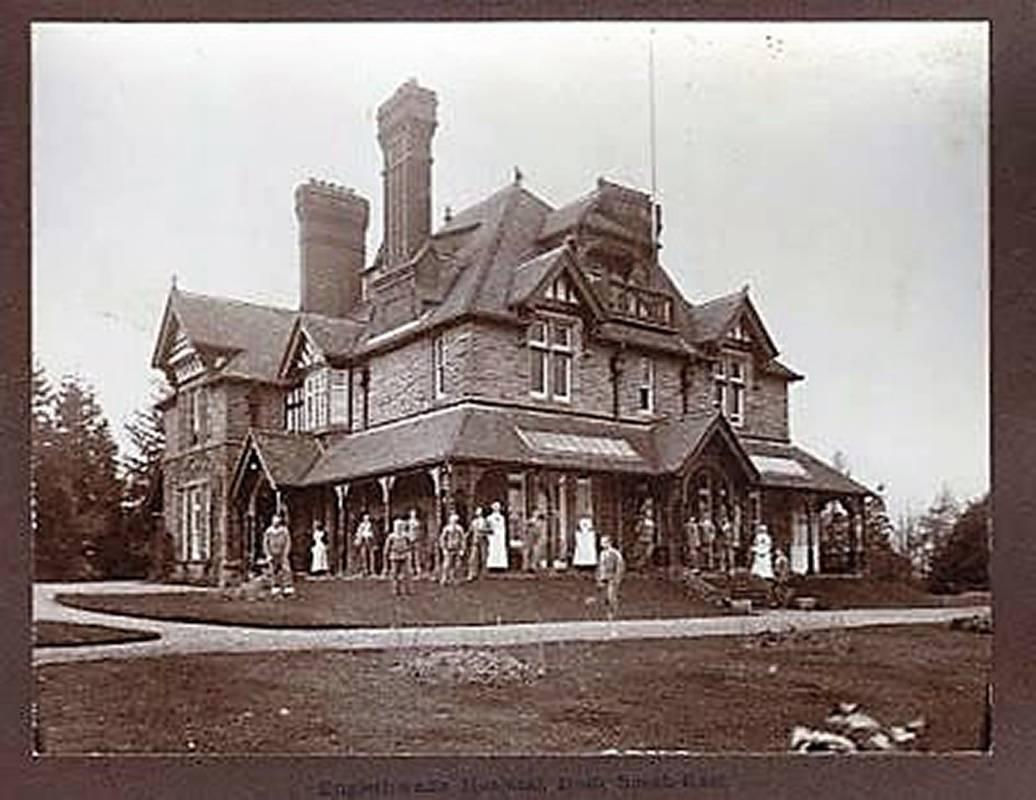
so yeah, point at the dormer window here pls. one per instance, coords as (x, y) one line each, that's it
(729, 381)
(551, 348)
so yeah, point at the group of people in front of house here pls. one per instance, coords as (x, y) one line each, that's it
(715, 546)
(464, 553)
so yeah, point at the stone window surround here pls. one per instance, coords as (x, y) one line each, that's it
(193, 497)
(731, 385)
(553, 351)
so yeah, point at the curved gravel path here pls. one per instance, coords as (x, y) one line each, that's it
(184, 637)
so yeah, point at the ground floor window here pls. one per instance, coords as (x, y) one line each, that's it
(195, 532)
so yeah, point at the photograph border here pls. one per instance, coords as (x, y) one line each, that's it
(1007, 773)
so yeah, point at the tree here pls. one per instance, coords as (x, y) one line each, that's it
(77, 490)
(880, 557)
(961, 561)
(931, 530)
(143, 487)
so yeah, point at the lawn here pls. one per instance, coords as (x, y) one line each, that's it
(370, 603)
(705, 695)
(864, 592)
(69, 634)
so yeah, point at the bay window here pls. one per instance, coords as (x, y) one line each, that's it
(194, 523)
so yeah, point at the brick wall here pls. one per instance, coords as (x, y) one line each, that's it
(766, 406)
(211, 465)
(400, 381)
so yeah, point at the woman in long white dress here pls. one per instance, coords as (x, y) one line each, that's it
(762, 548)
(586, 544)
(497, 557)
(318, 552)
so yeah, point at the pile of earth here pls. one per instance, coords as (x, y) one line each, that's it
(468, 666)
(836, 641)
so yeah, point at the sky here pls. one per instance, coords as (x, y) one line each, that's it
(838, 169)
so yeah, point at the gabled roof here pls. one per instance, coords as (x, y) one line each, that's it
(711, 321)
(334, 336)
(786, 466)
(530, 277)
(680, 439)
(285, 457)
(250, 336)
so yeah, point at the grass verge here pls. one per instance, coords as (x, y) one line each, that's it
(46, 633)
(370, 603)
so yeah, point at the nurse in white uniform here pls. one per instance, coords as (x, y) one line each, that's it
(497, 557)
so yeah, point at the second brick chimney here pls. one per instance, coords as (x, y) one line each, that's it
(406, 123)
(332, 246)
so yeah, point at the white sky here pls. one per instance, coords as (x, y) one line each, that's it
(838, 168)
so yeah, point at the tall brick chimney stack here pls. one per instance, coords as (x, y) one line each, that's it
(332, 246)
(406, 122)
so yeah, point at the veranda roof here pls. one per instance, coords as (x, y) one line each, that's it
(783, 465)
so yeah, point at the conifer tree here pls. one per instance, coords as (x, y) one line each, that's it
(77, 488)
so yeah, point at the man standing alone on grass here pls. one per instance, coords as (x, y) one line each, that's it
(610, 569)
(398, 548)
(277, 549)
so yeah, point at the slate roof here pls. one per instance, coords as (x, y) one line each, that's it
(252, 336)
(819, 476)
(492, 257)
(478, 433)
(710, 320)
(335, 336)
(678, 438)
(530, 274)
(287, 457)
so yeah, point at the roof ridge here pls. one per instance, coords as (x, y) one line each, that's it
(239, 302)
(493, 250)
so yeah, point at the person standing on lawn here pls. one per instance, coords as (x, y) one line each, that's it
(477, 544)
(277, 549)
(780, 592)
(610, 568)
(398, 548)
(451, 545)
(365, 545)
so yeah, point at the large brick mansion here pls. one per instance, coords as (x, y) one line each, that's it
(535, 356)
